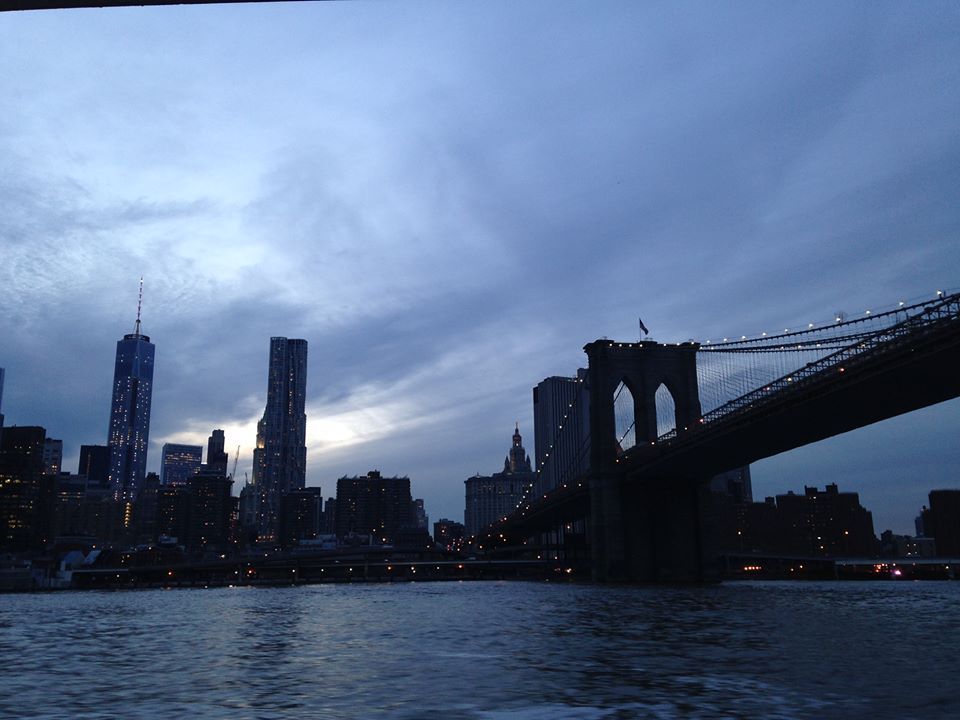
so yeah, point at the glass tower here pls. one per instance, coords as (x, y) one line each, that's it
(280, 457)
(130, 412)
(178, 463)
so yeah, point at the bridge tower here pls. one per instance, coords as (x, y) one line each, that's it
(646, 528)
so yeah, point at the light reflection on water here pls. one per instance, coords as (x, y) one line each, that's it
(498, 651)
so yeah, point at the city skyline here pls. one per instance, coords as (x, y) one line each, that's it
(448, 215)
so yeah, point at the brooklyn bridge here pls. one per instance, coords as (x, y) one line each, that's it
(625, 485)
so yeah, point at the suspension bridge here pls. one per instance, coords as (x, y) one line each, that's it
(624, 485)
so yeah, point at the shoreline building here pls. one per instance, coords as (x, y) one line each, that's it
(280, 455)
(129, 430)
(374, 507)
(491, 497)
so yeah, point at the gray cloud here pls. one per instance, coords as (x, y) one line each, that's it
(448, 202)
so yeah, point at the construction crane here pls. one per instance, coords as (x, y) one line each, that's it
(236, 459)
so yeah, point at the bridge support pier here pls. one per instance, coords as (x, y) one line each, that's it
(655, 530)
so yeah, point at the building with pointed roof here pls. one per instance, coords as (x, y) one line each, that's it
(129, 431)
(491, 497)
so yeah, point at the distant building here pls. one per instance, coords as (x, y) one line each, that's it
(373, 505)
(68, 517)
(216, 455)
(420, 518)
(95, 464)
(211, 510)
(328, 522)
(300, 515)
(905, 546)
(129, 432)
(280, 457)
(52, 456)
(178, 463)
(145, 510)
(491, 497)
(942, 522)
(22, 488)
(818, 523)
(561, 429)
(174, 506)
(449, 534)
(735, 484)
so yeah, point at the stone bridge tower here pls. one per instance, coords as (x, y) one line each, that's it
(642, 528)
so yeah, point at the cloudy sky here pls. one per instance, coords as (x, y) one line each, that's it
(448, 200)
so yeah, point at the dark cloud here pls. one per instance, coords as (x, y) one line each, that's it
(448, 202)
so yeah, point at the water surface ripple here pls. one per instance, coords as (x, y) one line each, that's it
(498, 651)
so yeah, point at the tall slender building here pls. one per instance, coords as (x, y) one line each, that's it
(561, 427)
(130, 411)
(280, 457)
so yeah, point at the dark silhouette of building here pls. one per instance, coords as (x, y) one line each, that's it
(211, 510)
(68, 516)
(174, 505)
(735, 484)
(95, 464)
(561, 421)
(942, 522)
(22, 495)
(373, 505)
(827, 522)
(328, 522)
(199, 514)
(906, 546)
(448, 534)
(216, 455)
(420, 517)
(130, 412)
(179, 462)
(300, 515)
(491, 497)
(824, 523)
(280, 457)
(145, 509)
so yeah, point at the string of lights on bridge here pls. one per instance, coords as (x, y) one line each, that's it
(839, 319)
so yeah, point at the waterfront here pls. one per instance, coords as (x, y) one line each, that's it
(498, 650)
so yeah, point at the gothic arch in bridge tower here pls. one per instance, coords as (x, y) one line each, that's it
(624, 410)
(643, 368)
(665, 408)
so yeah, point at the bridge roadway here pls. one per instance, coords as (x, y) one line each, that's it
(888, 380)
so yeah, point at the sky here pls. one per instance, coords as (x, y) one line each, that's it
(448, 200)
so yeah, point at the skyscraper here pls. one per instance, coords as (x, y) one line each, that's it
(216, 457)
(178, 463)
(561, 422)
(130, 411)
(280, 457)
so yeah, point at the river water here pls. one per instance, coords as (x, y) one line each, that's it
(498, 651)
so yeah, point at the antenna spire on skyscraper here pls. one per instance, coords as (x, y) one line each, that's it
(136, 329)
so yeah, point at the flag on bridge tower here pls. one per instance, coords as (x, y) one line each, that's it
(643, 327)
